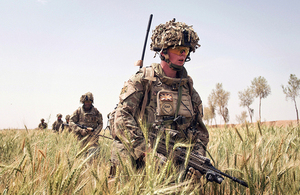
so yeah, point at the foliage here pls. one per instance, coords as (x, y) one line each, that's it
(242, 118)
(247, 98)
(292, 91)
(261, 89)
(208, 115)
(43, 162)
(209, 112)
(219, 98)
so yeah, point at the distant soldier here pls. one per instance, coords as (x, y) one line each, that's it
(57, 123)
(86, 122)
(65, 126)
(43, 125)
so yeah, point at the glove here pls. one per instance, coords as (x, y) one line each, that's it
(83, 132)
(193, 174)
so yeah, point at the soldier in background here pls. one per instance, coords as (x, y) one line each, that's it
(65, 126)
(56, 125)
(171, 101)
(86, 122)
(43, 125)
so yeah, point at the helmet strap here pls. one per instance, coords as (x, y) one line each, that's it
(188, 58)
(175, 67)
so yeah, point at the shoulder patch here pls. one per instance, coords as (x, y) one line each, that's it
(124, 90)
(127, 90)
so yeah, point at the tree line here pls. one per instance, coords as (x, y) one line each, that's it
(259, 88)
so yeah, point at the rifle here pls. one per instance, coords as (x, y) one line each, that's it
(91, 129)
(140, 62)
(197, 161)
(85, 127)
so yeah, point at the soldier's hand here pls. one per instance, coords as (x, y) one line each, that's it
(194, 174)
(90, 130)
(83, 132)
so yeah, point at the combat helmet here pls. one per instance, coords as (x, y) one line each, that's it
(59, 115)
(172, 34)
(87, 97)
(67, 117)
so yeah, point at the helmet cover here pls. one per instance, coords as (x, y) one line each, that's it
(87, 97)
(67, 117)
(174, 34)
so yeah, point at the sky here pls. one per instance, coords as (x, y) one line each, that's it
(54, 51)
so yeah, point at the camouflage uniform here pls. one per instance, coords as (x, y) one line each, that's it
(65, 126)
(56, 125)
(43, 125)
(160, 106)
(127, 112)
(90, 118)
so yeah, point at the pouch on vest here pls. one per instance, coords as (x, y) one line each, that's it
(167, 102)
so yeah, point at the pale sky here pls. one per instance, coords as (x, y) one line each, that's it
(53, 51)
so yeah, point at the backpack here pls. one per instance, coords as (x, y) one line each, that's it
(148, 77)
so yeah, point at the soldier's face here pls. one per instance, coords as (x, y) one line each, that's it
(59, 118)
(177, 58)
(87, 104)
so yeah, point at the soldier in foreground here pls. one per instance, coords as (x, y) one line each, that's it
(43, 125)
(56, 125)
(163, 96)
(86, 122)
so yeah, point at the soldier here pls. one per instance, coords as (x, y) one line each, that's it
(162, 95)
(56, 125)
(65, 126)
(43, 125)
(86, 122)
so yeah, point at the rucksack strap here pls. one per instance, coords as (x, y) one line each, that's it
(149, 77)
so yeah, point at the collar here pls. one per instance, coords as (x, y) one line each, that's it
(168, 80)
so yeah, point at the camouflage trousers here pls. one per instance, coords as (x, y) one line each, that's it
(119, 151)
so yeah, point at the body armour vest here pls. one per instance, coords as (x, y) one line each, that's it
(164, 96)
(88, 118)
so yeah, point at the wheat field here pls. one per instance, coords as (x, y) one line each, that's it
(43, 162)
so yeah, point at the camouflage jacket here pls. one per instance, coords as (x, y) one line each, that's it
(91, 118)
(56, 125)
(43, 126)
(65, 127)
(161, 106)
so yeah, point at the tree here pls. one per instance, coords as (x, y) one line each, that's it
(219, 97)
(212, 109)
(241, 118)
(247, 98)
(207, 116)
(261, 89)
(209, 112)
(292, 91)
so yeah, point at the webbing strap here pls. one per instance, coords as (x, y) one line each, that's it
(149, 76)
(178, 101)
(148, 86)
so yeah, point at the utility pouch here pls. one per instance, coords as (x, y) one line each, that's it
(167, 102)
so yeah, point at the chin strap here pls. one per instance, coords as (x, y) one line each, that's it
(175, 67)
